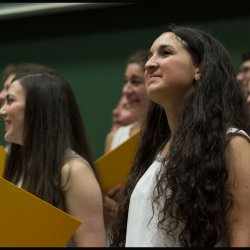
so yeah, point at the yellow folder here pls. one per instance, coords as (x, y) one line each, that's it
(3, 157)
(28, 221)
(113, 167)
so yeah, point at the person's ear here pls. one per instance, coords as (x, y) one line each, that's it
(197, 74)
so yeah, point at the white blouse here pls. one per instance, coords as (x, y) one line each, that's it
(121, 135)
(142, 230)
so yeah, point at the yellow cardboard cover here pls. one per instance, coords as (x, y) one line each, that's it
(28, 221)
(3, 156)
(113, 167)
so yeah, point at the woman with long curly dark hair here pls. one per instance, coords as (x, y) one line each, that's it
(190, 182)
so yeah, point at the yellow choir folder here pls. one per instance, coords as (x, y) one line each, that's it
(28, 221)
(113, 167)
(3, 157)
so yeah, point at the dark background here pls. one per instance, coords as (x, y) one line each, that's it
(90, 47)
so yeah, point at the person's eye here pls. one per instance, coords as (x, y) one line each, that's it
(245, 69)
(9, 100)
(137, 81)
(165, 53)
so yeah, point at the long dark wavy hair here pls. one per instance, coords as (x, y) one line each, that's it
(52, 123)
(191, 184)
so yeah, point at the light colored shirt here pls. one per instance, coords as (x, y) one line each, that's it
(142, 230)
(121, 135)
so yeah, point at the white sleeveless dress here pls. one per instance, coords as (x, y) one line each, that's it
(121, 135)
(141, 230)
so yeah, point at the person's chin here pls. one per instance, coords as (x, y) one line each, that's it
(8, 139)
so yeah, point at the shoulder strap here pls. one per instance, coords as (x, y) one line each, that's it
(72, 154)
(239, 132)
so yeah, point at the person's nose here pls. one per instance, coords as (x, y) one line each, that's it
(240, 77)
(115, 112)
(248, 98)
(3, 112)
(127, 88)
(151, 65)
(2, 95)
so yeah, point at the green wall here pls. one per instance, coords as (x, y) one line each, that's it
(90, 47)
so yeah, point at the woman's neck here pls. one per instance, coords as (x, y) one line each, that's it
(172, 117)
(135, 128)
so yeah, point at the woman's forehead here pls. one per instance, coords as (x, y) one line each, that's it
(168, 39)
(15, 87)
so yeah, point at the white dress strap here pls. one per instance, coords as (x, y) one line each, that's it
(70, 154)
(239, 132)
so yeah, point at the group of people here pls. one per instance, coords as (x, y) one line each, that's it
(189, 183)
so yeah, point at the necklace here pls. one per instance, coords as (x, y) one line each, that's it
(159, 157)
(162, 153)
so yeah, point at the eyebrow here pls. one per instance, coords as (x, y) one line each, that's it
(133, 76)
(244, 69)
(164, 46)
(161, 47)
(136, 76)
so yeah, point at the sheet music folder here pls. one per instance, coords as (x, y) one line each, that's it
(28, 221)
(113, 167)
(3, 158)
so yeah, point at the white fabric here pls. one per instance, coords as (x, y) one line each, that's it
(141, 232)
(72, 154)
(237, 131)
(121, 135)
(68, 155)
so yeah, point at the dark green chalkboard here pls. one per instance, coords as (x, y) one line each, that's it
(90, 47)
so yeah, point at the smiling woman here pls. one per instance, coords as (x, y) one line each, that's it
(49, 155)
(170, 71)
(134, 90)
(189, 184)
(13, 113)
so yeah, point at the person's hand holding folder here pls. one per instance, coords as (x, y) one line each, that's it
(111, 201)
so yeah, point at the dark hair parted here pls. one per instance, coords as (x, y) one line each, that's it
(23, 68)
(191, 184)
(139, 57)
(52, 124)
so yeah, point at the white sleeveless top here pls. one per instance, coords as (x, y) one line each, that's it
(141, 230)
(68, 155)
(121, 135)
